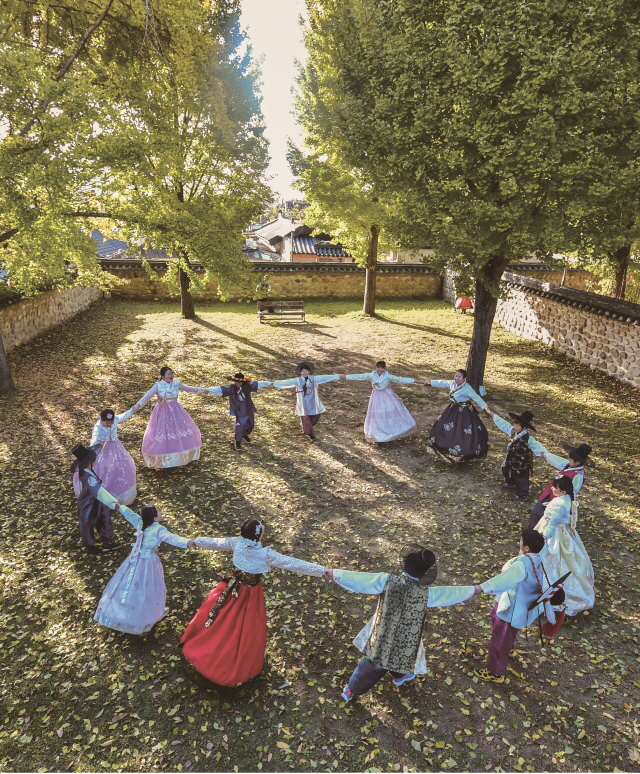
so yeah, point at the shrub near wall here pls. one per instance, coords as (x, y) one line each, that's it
(31, 317)
(597, 331)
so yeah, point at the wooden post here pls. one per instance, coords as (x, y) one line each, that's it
(6, 380)
(369, 305)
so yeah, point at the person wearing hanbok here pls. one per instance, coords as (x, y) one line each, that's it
(114, 465)
(94, 507)
(309, 407)
(387, 417)
(392, 639)
(134, 599)
(518, 462)
(226, 639)
(574, 467)
(241, 406)
(565, 550)
(458, 433)
(172, 438)
(518, 587)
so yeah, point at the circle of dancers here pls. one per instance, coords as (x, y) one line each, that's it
(551, 576)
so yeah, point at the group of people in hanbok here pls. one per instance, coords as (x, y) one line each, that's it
(226, 639)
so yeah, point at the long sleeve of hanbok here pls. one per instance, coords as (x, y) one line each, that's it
(401, 379)
(215, 544)
(361, 582)
(358, 377)
(284, 384)
(131, 516)
(147, 396)
(471, 394)
(505, 580)
(262, 384)
(95, 434)
(186, 388)
(556, 461)
(502, 424)
(444, 596)
(173, 540)
(556, 513)
(214, 390)
(440, 383)
(292, 564)
(536, 447)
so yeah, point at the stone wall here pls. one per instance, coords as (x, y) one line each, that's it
(290, 281)
(598, 331)
(576, 278)
(31, 317)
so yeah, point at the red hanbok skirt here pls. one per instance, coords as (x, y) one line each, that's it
(231, 650)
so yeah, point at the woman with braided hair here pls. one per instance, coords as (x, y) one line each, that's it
(226, 638)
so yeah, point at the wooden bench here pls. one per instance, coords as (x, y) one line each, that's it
(280, 310)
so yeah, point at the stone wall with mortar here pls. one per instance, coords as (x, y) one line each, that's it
(31, 317)
(598, 331)
(576, 278)
(290, 281)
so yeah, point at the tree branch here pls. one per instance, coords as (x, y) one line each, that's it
(8, 234)
(42, 105)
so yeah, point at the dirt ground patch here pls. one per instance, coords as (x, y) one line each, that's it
(79, 697)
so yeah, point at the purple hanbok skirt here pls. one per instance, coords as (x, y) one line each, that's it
(459, 434)
(135, 597)
(172, 438)
(117, 471)
(387, 418)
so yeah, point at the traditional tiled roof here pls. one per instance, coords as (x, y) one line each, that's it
(308, 245)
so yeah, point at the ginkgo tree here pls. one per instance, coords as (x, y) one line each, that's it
(343, 203)
(478, 121)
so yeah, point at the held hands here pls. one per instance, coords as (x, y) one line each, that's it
(477, 590)
(327, 574)
(191, 543)
(419, 381)
(342, 376)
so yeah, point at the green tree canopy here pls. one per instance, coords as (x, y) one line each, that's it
(478, 119)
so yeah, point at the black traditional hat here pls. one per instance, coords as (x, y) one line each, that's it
(306, 364)
(523, 419)
(84, 456)
(422, 561)
(239, 377)
(550, 594)
(580, 453)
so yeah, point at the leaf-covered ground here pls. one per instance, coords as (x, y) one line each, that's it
(78, 697)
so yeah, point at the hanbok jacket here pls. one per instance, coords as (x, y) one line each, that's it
(462, 394)
(239, 405)
(308, 401)
(517, 587)
(575, 474)
(380, 381)
(392, 639)
(257, 559)
(167, 391)
(102, 434)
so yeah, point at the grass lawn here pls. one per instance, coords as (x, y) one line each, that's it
(78, 697)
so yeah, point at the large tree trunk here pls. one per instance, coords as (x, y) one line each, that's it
(6, 380)
(621, 257)
(187, 309)
(485, 304)
(369, 306)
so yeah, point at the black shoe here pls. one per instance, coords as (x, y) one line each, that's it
(312, 437)
(246, 439)
(238, 447)
(111, 546)
(93, 550)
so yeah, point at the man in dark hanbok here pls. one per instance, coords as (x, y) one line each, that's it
(92, 512)
(241, 406)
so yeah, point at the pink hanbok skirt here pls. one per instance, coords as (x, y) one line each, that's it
(172, 438)
(135, 597)
(117, 471)
(387, 418)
